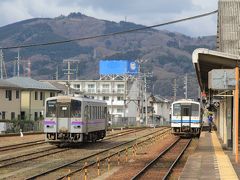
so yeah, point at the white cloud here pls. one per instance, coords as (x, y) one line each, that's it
(138, 11)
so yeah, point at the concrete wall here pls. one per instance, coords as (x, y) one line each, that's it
(228, 36)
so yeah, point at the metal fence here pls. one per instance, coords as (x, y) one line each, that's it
(21, 125)
(131, 122)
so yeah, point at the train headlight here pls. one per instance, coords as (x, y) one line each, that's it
(49, 126)
(77, 127)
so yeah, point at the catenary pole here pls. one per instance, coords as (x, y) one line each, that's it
(236, 105)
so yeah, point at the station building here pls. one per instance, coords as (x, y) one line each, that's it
(216, 73)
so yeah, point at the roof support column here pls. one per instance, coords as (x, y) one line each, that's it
(236, 108)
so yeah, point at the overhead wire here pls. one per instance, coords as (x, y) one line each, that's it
(110, 34)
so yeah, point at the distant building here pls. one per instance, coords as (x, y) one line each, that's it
(161, 107)
(124, 98)
(10, 95)
(32, 96)
(120, 95)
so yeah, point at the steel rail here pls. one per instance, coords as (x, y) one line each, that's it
(21, 145)
(47, 154)
(92, 155)
(141, 172)
(29, 154)
(104, 158)
(29, 159)
(176, 160)
(26, 144)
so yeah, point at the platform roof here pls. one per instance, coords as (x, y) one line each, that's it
(205, 60)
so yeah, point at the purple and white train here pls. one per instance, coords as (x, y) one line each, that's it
(71, 119)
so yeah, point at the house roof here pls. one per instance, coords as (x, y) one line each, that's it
(158, 99)
(29, 83)
(6, 84)
(57, 85)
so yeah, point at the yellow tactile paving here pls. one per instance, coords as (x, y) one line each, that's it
(224, 164)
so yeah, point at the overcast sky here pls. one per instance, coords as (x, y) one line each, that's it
(146, 12)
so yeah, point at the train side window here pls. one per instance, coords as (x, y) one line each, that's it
(98, 112)
(90, 112)
(195, 110)
(105, 112)
(86, 113)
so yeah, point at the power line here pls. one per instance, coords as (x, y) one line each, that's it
(110, 34)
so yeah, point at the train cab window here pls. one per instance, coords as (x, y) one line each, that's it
(51, 108)
(76, 108)
(186, 111)
(195, 110)
(177, 109)
(63, 111)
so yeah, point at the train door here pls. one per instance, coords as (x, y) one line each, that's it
(63, 118)
(186, 116)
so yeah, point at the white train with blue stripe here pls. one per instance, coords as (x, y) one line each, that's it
(186, 117)
(74, 119)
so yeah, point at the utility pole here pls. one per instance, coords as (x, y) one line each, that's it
(175, 89)
(1, 63)
(146, 103)
(186, 86)
(145, 75)
(77, 72)
(14, 68)
(29, 68)
(69, 71)
(18, 63)
(57, 73)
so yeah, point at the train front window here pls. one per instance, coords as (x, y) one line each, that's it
(75, 108)
(51, 108)
(195, 110)
(63, 111)
(185, 111)
(177, 110)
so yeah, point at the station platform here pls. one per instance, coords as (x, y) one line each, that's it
(209, 161)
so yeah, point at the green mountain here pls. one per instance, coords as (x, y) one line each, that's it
(167, 54)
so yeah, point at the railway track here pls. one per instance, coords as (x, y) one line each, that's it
(78, 164)
(50, 151)
(21, 145)
(38, 142)
(164, 163)
(30, 156)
